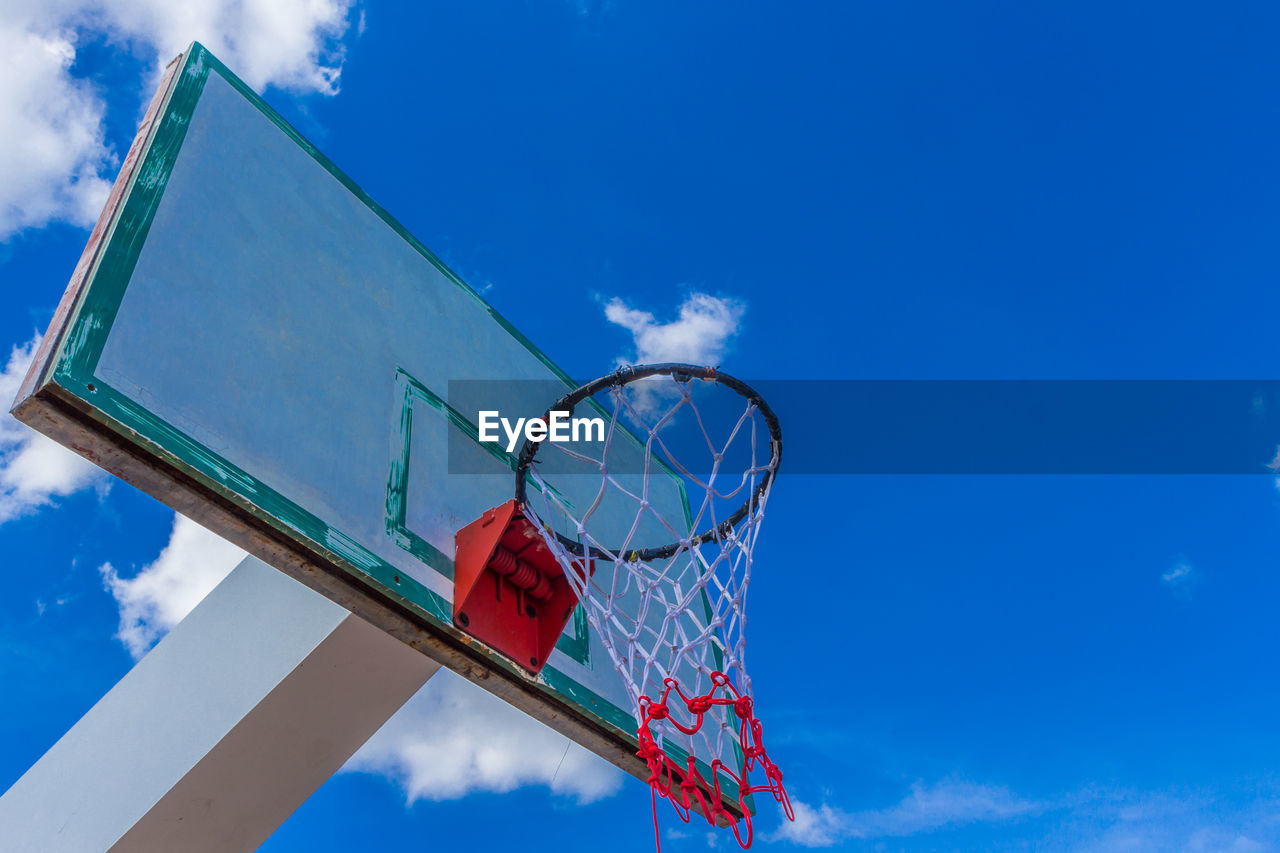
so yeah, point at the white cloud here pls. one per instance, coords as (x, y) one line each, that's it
(53, 161)
(1180, 573)
(291, 44)
(55, 165)
(926, 808)
(453, 739)
(156, 598)
(34, 470)
(699, 335)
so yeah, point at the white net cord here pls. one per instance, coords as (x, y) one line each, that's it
(674, 626)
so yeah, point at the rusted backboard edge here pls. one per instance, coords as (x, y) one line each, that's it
(42, 364)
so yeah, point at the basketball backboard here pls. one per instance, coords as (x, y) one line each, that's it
(255, 342)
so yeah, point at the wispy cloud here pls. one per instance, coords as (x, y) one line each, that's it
(815, 826)
(926, 808)
(1116, 821)
(35, 471)
(930, 807)
(55, 163)
(1181, 580)
(1244, 819)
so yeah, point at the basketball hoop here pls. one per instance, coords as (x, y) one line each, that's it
(672, 615)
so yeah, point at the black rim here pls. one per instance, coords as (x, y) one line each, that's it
(682, 373)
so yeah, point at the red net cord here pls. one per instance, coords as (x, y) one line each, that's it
(684, 786)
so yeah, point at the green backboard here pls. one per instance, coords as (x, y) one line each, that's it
(254, 341)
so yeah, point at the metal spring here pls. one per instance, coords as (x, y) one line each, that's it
(521, 574)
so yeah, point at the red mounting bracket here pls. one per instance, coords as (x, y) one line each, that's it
(509, 591)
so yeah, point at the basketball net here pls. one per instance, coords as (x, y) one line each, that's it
(674, 626)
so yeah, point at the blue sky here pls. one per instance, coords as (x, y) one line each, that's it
(986, 191)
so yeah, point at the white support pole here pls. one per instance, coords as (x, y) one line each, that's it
(221, 731)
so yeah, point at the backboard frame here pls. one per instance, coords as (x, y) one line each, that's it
(64, 399)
